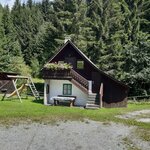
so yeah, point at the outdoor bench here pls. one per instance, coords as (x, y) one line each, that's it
(61, 98)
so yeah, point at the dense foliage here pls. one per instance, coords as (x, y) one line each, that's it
(114, 34)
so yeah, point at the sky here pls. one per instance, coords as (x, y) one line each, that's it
(11, 2)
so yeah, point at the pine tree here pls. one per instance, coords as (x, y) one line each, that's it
(11, 56)
(144, 15)
(105, 47)
(64, 12)
(46, 10)
(113, 34)
(137, 66)
(29, 3)
(137, 50)
(46, 42)
(10, 43)
(29, 19)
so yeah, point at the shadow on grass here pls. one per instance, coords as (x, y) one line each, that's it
(40, 101)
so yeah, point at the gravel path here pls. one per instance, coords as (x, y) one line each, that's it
(88, 135)
(70, 135)
(136, 114)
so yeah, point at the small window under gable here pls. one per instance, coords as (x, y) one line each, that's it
(67, 89)
(60, 62)
(80, 64)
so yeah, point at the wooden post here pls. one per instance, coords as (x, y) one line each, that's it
(90, 87)
(101, 95)
(14, 83)
(71, 103)
(5, 92)
(45, 94)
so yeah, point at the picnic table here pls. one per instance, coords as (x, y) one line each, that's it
(57, 99)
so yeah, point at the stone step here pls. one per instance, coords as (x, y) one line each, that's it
(91, 102)
(93, 94)
(93, 98)
(92, 106)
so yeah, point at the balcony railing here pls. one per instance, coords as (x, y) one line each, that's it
(67, 74)
(79, 78)
(56, 74)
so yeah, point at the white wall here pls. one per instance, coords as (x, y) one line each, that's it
(56, 88)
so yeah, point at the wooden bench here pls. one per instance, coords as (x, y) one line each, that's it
(62, 98)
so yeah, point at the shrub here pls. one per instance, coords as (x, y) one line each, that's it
(58, 66)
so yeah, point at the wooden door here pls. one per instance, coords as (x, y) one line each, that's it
(96, 78)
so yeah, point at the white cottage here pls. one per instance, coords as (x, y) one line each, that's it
(84, 81)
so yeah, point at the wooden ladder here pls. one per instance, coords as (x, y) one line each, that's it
(33, 88)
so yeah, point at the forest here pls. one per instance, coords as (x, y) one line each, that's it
(114, 34)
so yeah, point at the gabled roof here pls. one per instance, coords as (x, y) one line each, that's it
(4, 75)
(87, 59)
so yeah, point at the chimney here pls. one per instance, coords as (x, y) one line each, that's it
(67, 38)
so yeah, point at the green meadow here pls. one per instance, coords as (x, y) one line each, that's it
(12, 112)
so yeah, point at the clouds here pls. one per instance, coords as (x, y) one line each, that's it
(7, 2)
(10, 3)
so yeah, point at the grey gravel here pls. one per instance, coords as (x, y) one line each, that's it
(138, 142)
(70, 135)
(136, 114)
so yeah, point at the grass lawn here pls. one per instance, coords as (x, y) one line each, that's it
(13, 111)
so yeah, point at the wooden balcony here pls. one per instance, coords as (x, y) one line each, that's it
(56, 74)
(69, 74)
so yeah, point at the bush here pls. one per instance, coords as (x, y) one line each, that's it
(35, 67)
(58, 66)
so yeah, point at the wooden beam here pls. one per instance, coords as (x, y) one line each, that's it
(101, 95)
(14, 83)
(17, 77)
(5, 92)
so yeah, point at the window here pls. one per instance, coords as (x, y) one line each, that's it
(80, 64)
(60, 62)
(67, 89)
(47, 89)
